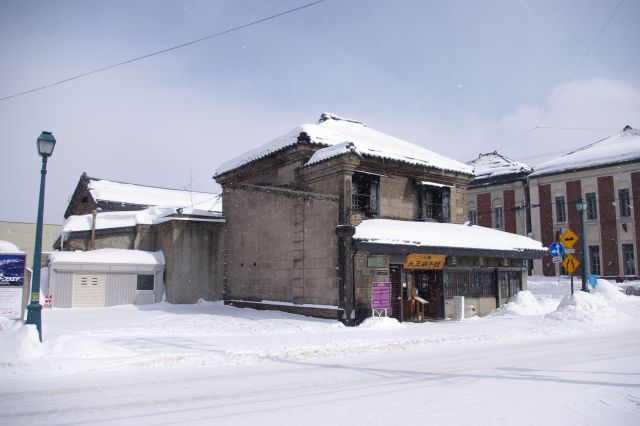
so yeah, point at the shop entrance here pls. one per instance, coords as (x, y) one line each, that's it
(429, 287)
(406, 284)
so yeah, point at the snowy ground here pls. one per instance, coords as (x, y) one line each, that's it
(544, 358)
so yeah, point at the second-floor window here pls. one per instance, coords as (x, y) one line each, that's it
(499, 217)
(592, 206)
(594, 259)
(625, 202)
(561, 213)
(473, 217)
(364, 193)
(434, 203)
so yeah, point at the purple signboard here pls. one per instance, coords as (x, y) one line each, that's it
(381, 295)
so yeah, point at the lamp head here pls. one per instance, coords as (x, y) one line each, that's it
(46, 142)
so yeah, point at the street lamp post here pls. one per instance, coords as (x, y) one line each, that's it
(581, 205)
(45, 143)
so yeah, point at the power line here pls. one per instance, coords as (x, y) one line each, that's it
(573, 73)
(148, 55)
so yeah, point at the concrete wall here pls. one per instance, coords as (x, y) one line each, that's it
(122, 238)
(193, 258)
(280, 245)
(23, 235)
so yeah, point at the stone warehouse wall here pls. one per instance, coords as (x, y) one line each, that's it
(193, 253)
(280, 245)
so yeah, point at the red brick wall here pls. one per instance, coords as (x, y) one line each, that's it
(635, 191)
(574, 191)
(484, 209)
(608, 234)
(546, 226)
(509, 196)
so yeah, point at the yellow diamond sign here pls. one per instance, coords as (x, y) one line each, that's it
(570, 263)
(569, 238)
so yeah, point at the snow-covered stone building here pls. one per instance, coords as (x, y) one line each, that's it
(320, 214)
(186, 226)
(606, 175)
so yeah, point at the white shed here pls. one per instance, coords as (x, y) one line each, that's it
(105, 277)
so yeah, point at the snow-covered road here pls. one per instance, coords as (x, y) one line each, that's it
(532, 363)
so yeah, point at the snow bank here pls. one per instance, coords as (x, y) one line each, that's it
(583, 307)
(19, 343)
(79, 346)
(608, 291)
(381, 323)
(523, 303)
(7, 247)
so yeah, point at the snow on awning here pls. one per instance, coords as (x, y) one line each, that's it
(441, 237)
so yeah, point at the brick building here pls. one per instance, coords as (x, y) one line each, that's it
(308, 227)
(606, 175)
(498, 196)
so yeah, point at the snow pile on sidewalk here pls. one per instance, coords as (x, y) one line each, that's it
(210, 333)
(523, 303)
(19, 343)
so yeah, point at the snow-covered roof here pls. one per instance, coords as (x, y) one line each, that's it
(118, 192)
(336, 136)
(108, 256)
(625, 146)
(431, 234)
(493, 164)
(9, 247)
(124, 219)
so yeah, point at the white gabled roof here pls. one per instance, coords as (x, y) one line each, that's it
(625, 146)
(130, 193)
(338, 136)
(108, 256)
(431, 234)
(493, 164)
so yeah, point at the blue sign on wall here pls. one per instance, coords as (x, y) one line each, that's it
(12, 269)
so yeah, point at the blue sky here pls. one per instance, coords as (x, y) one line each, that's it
(458, 77)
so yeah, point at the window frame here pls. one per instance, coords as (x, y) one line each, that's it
(365, 186)
(594, 260)
(435, 203)
(141, 283)
(473, 216)
(628, 259)
(624, 202)
(592, 205)
(498, 217)
(561, 209)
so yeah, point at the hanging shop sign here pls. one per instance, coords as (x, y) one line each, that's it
(425, 261)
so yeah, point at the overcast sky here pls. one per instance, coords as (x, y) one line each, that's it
(457, 77)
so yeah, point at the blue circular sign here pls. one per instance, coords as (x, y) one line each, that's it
(556, 249)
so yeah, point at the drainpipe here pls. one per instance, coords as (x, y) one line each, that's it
(92, 243)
